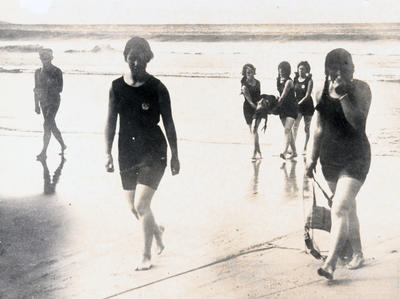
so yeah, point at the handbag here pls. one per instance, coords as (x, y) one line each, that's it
(320, 218)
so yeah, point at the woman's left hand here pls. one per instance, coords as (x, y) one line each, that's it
(175, 166)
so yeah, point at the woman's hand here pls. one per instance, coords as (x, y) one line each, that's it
(109, 163)
(37, 109)
(310, 168)
(175, 166)
(338, 87)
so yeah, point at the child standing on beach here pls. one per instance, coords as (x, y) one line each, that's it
(48, 85)
(139, 99)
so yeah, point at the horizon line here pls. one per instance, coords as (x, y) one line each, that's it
(194, 24)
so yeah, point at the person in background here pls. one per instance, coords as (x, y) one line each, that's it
(139, 99)
(251, 90)
(287, 108)
(48, 86)
(342, 147)
(303, 85)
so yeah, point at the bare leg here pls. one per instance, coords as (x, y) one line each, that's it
(46, 139)
(307, 124)
(288, 124)
(57, 134)
(343, 205)
(296, 125)
(254, 131)
(143, 197)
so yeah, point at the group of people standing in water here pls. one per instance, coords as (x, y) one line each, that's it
(293, 104)
(139, 101)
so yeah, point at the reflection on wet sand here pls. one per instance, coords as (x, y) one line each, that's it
(51, 182)
(290, 181)
(254, 179)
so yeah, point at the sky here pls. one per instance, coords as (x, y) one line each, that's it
(198, 12)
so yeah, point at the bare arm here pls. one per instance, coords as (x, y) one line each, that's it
(166, 113)
(247, 96)
(316, 141)
(59, 80)
(111, 122)
(286, 89)
(308, 92)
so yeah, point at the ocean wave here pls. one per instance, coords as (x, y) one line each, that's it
(21, 48)
(207, 32)
(3, 70)
(95, 49)
(216, 75)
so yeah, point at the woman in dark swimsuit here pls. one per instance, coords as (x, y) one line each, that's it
(303, 85)
(341, 145)
(251, 92)
(287, 107)
(139, 99)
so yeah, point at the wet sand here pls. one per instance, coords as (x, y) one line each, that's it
(233, 228)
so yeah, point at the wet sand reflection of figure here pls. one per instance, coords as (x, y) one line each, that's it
(290, 180)
(50, 182)
(254, 179)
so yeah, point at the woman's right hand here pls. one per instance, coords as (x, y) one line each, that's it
(310, 168)
(37, 109)
(109, 163)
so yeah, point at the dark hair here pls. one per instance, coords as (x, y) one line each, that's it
(250, 66)
(339, 60)
(139, 45)
(45, 51)
(285, 67)
(306, 65)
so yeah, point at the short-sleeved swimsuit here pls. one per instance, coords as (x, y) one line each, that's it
(344, 150)
(306, 108)
(287, 106)
(50, 81)
(142, 147)
(255, 92)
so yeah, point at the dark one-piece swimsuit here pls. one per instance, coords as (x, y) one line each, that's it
(344, 150)
(306, 108)
(288, 105)
(255, 92)
(142, 147)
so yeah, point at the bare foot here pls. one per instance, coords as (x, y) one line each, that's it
(356, 262)
(144, 265)
(63, 148)
(326, 271)
(41, 156)
(257, 155)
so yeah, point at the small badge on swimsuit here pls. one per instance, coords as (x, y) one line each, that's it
(303, 86)
(145, 106)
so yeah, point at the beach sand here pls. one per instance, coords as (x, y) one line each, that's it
(234, 229)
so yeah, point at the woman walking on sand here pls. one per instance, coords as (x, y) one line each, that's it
(251, 92)
(287, 108)
(343, 149)
(303, 85)
(139, 99)
(48, 85)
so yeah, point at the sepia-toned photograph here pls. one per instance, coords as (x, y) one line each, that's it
(199, 149)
